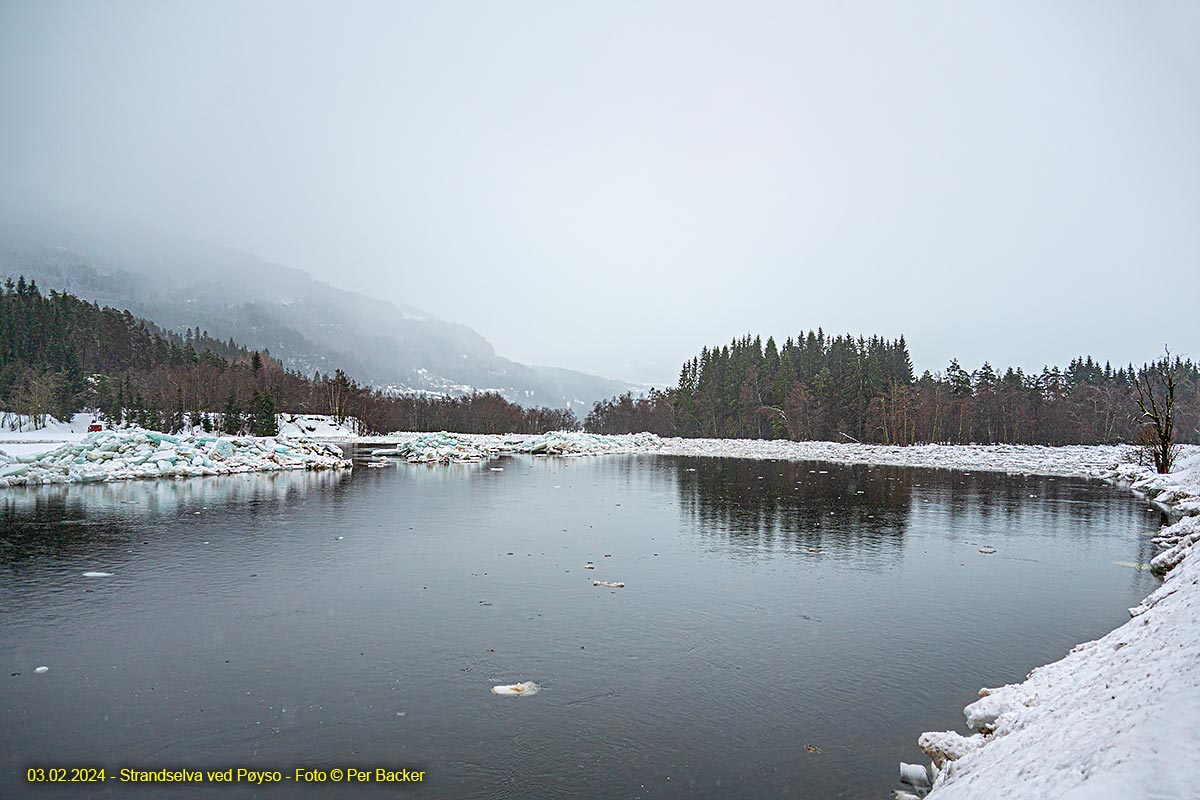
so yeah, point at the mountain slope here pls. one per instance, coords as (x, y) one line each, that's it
(309, 325)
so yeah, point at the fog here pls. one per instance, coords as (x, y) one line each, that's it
(610, 186)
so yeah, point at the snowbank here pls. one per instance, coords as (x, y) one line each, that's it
(316, 426)
(1115, 718)
(1073, 460)
(442, 447)
(466, 447)
(577, 443)
(126, 455)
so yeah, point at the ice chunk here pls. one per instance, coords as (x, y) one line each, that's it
(914, 775)
(97, 574)
(516, 689)
(42, 669)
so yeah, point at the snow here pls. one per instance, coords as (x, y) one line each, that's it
(577, 443)
(125, 455)
(316, 426)
(443, 447)
(19, 437)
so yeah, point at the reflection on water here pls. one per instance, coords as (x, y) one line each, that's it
(328, 619)
(58, 517)
(796, 506)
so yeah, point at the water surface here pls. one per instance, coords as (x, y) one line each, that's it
(331, 620)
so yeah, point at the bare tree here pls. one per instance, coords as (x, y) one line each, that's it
(1155, 387)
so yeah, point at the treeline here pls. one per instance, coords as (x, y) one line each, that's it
(843, 388)
(60, 354)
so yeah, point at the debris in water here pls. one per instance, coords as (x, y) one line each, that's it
(497, 469)
(609, 584)
(812, 748)
(40, 670)
(516, 689)
(987, 551)
(97, 574)
(589, 565)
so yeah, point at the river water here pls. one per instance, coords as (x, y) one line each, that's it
(326, 621)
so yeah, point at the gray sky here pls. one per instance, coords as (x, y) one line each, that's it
(610, 186)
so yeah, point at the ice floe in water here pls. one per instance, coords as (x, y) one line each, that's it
(40, 670)
(97, 574)
(516, 689)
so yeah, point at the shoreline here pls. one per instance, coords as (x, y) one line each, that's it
(1111, 719)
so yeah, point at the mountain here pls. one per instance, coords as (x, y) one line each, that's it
(309, 325)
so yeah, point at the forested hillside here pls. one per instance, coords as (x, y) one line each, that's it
(307, 325)
(842, 388)
(59, 354)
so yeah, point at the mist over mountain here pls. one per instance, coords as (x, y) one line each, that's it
(309, 325)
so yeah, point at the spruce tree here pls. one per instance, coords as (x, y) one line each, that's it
(231, 418)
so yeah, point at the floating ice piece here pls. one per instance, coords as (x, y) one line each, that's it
(496, 469)
(97, 574)
(610, 584)
(40, 670)
(987, 551)
(516, 689)
(914, 775)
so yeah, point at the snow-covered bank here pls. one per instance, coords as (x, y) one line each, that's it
(463, 447)
(1091, 461)
(1115, 718)
(127, 455)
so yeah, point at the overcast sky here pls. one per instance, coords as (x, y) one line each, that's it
(612, 185)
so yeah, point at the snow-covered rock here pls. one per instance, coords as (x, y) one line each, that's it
(125, 455)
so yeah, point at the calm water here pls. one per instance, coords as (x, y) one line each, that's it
(239, 630)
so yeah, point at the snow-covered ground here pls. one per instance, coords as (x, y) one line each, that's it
(19, 437)
(126, 455)
(316, 426)
(458, 447)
